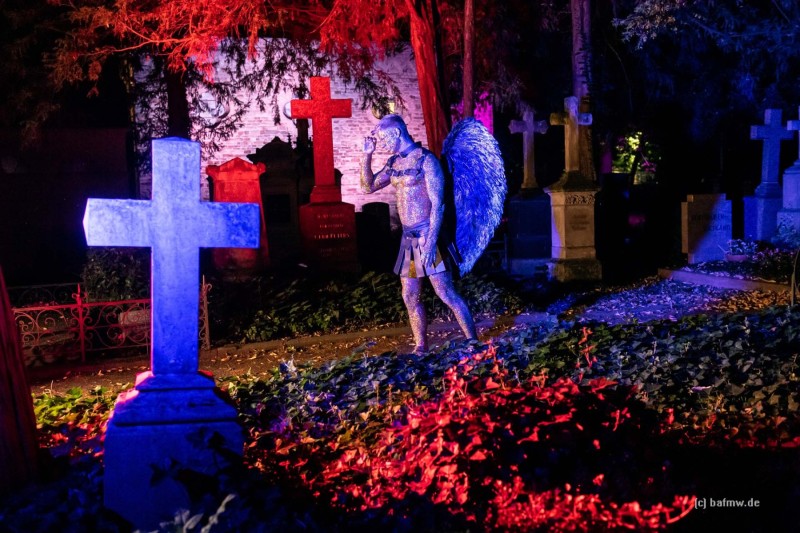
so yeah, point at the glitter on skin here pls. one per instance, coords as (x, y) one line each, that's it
(419, 201)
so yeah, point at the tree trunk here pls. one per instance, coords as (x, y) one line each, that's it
(178, 122)
(469, 39)
(581, 81)
(437, 125)
(18, 446)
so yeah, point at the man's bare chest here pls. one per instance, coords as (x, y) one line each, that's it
(407, 171)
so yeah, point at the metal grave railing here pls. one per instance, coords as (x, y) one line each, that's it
(54, 327)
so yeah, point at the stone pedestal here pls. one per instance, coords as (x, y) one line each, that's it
(760, 216)
(573, 234)
(329, 236)
(789, 215)
(705, 227)
(160, 432)
(529, 230)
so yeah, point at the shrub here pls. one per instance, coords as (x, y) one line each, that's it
(114, 273)
(786, 237)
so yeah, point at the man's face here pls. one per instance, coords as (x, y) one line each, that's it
(387, 138)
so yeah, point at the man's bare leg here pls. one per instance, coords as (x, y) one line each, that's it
(412, 297)
(443, 285)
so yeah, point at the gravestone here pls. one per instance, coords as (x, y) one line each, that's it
(237, 180)
(572, 204)
(705, 227)
(327, 225)
(174, 417)
(529, 211)
(18, 445)
(761, 209)
(789, 215)
(376, 245)
(285, 185)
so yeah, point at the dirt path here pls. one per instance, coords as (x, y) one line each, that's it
(650, 299)
(261, 358)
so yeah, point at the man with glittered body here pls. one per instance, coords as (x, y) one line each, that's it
(425, 251)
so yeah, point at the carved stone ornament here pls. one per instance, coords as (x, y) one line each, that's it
(579, 199)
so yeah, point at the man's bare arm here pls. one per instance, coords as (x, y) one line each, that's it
(371, 182)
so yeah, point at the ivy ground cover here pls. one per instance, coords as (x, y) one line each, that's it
(672, 425)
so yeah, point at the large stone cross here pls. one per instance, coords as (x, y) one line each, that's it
(175, 224)
(163, 419)
(528, 127)
(321, 109)
(772, 133)
(571, 120)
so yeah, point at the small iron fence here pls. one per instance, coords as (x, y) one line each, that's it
(54, 330)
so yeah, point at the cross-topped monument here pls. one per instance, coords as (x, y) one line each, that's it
(528, 127)
(173, 409)
(761, 209)
(321, 109)
(327, 225)
(572, 200)
(772, 133)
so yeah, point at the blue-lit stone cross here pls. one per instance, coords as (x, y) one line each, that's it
(175, 224)
(772, 133)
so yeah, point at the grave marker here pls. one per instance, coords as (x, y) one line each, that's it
(170, 415)
(790, 214)
(760, 210)
(572, 203)
(529, 211)
(705, 227)
(327, 225)
(238, 180)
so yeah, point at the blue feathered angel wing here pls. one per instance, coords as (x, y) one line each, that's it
(475, 163)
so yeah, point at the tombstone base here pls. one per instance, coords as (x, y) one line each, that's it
(575, 270)
(528, 268)
(790, 218)
(790, 214)
(328, 233)
(573, 252)
(530, 234)
(163, 429)
(760, 217)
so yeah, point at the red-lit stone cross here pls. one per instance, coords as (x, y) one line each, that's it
(321, 109)
(772, 133)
